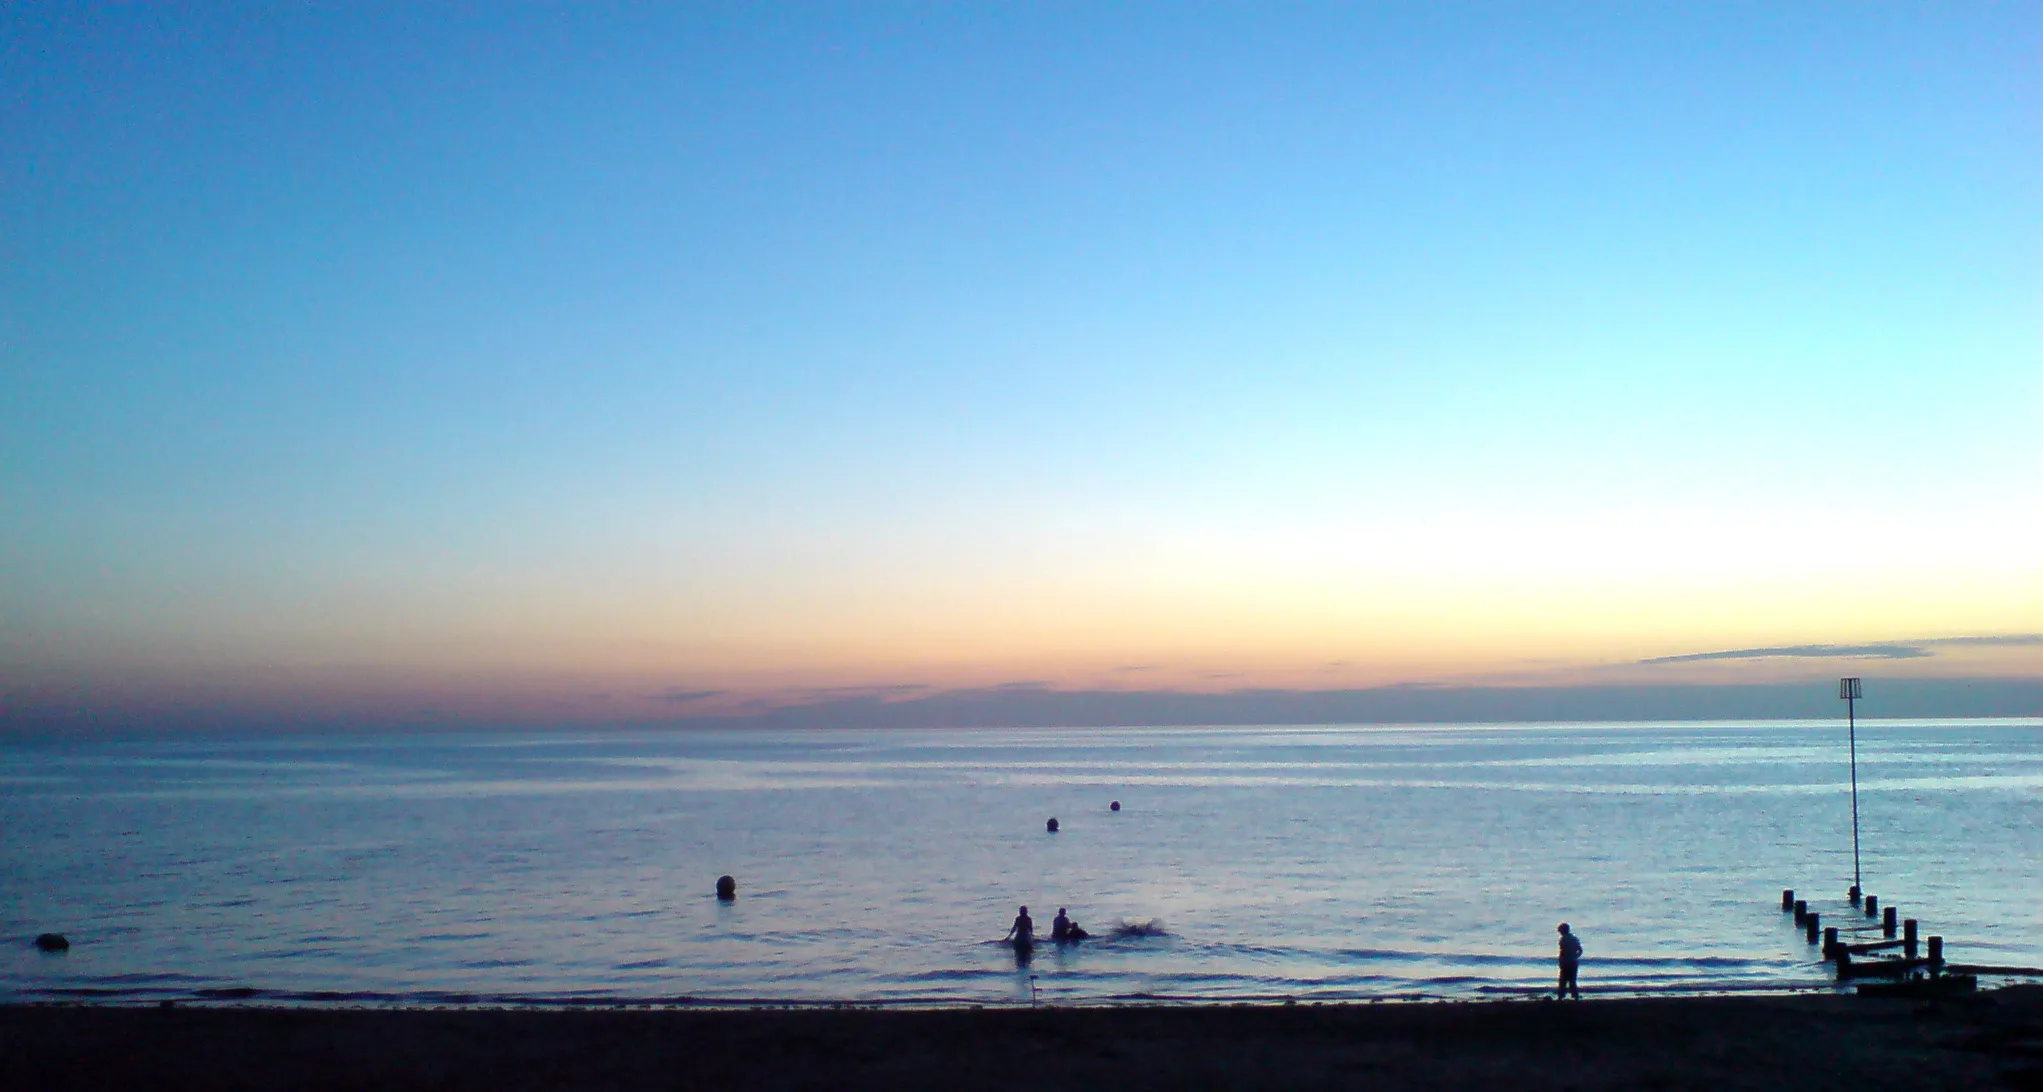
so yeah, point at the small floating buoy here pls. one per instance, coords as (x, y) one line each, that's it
(1051, 826)
(1115, 806)
(52, 942)
(726, 888)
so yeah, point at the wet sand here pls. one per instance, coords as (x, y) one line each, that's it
(1990, 1040)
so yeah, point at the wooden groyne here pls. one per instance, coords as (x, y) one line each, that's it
(1860, 945)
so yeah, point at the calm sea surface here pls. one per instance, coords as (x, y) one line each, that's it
(1318, 863)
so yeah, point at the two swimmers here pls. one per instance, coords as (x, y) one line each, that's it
(1062, 929)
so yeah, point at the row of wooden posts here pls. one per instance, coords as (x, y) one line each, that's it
(1841, 953)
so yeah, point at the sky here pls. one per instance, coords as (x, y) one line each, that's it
(559, 363)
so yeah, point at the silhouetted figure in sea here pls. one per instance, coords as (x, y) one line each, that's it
(1022, 933)
(1062, 928)
(1571, 962)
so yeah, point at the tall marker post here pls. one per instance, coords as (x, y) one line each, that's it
(1848, 689)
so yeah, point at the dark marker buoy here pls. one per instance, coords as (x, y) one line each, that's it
(1051, 826)
(52, 942)
(726, 888)
(1115, 806)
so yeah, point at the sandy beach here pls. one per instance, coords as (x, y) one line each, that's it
(1989, 1040)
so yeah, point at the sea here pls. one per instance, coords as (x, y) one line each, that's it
(1270, 864)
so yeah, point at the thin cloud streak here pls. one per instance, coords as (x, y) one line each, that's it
(1885, 650)
(679, 696)
(1013, 707)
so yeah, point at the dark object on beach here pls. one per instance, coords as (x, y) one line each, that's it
(52, 942)
(726, 888)
(1051, 826)
(1921, 987)
(1115, 806)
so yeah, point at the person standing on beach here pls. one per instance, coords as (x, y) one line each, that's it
(1571, 962)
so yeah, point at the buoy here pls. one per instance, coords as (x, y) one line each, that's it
(726, 888)
(1051, 826)
(52, 942)
(1115, 806)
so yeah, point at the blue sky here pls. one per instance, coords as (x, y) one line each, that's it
(402, 354)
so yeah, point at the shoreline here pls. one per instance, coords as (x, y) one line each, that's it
(1991, 1039)
(427, 1001)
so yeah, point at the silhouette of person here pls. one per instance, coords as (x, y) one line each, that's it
(1571, 962)
(1023, 931)
(1060, 926)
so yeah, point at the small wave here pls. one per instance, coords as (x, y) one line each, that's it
(945, 975)
(1152, 927)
